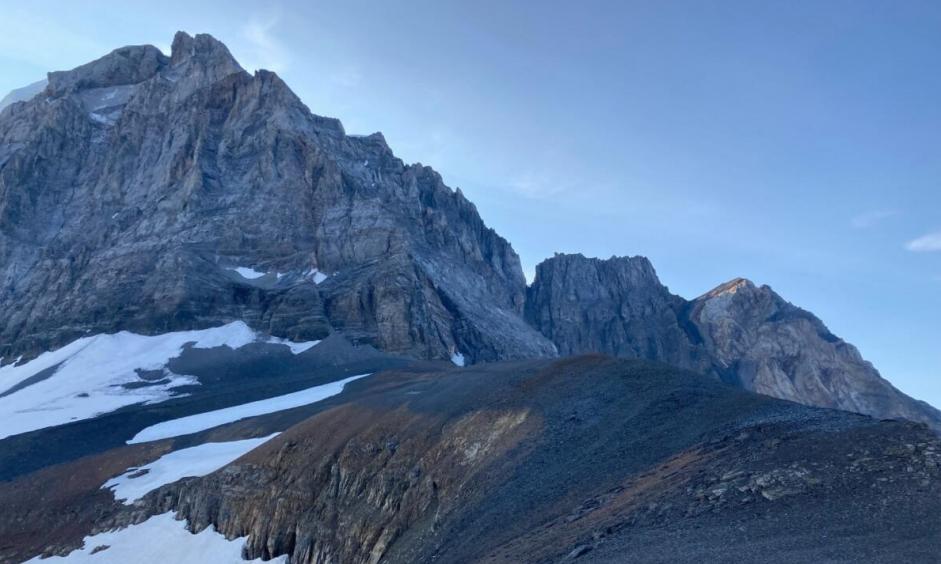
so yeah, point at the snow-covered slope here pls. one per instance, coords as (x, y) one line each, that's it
(100, 374)
(158, 540)
(194, 461)
(210, 419)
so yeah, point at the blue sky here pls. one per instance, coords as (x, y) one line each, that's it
(793, 143)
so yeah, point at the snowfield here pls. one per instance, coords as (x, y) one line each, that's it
(158, 540)
(188, 462)
(99, 374)
(210, 419)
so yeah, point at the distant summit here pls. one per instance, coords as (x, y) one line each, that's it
(23, 94)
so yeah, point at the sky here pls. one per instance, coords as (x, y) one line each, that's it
(791, 143)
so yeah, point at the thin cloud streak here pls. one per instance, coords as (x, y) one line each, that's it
(872, 218)
(925, 244)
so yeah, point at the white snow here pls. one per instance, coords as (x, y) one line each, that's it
(315, 275)
(458, 359)
(296, 348)
(247, 273)
(158, 540)
(210, 419)
(92, 371)
(194, 461)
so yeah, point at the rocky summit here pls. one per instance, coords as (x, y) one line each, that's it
(155, 193)
(221, 314)
(741, 333)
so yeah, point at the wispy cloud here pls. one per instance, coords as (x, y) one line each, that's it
(872, 218)
(926, 243)
(264, 50)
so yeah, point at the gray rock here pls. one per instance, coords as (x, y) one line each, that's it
(744, 334)
(616, 306)
(135, 184)
(778, 349)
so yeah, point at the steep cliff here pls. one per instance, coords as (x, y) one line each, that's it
(743, 334)
(616, 306)
(155, 193)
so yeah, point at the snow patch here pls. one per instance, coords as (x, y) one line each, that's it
(160, 539)
(247, 273)
(296, 347)
(188, 462)
(210, 419)
(88, 377)
(458, 359)
(315, 276)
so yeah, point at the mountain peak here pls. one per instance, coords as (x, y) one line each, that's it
(733, 286)
(203, 49)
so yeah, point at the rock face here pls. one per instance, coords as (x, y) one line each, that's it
(133, 188)
(743, 334)
(617, 307)
(775, 348)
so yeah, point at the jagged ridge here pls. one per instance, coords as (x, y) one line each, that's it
(741, 333)
(133, 185)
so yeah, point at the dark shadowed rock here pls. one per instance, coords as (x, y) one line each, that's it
(616, 306)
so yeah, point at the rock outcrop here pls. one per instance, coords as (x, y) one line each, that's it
(743, 334)
(154, 193)
(775, 348)
(616, 306)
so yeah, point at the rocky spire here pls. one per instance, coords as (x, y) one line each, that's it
(203, 50)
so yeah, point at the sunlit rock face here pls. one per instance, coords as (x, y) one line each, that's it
(133, 188)
(775, 348)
